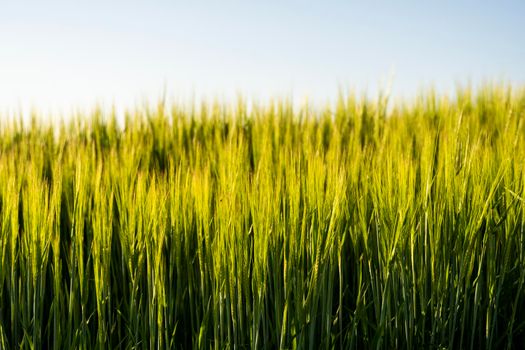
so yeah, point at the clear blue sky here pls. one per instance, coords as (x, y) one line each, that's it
(59, 54)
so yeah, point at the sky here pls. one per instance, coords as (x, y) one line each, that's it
(64, 55)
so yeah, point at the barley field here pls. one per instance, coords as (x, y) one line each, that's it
(366, 224)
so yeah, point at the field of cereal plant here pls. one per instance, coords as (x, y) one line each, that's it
(364, 224)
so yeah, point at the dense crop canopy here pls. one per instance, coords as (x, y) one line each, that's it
(365, 225)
